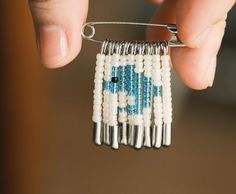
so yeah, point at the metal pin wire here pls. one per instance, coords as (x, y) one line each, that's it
(173, 42)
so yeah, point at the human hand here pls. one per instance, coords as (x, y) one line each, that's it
(58, 24)
(201, 26)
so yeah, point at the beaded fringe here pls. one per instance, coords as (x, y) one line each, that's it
(132, 95)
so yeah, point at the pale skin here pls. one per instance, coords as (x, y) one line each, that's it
(200, 23)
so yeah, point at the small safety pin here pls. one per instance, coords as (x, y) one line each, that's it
(173, 42)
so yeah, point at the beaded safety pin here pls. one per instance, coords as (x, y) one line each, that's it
(132, 92)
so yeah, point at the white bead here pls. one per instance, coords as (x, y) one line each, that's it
(131, 100)
(131, 59)
(122, 104)
(167, 99)
(138, 119)
(106, 106)
(123, 117)
(122, 94)
(123, 60)
(100, 56)
(147, 117)
(113, 98)
(122, 98)
(115, 60)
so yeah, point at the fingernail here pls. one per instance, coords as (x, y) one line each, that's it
(52, 44)
(201, 38)
(211, 71)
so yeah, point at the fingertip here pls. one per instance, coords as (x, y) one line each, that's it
(193, 82)
(196, 66)
(58, 25)
(51, 58)
(196, 85)
(58, 62)
(190, 68)
(56, 46)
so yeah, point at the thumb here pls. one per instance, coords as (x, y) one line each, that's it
(58, 24)
(196, 18)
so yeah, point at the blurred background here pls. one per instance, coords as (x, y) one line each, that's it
(46, 127)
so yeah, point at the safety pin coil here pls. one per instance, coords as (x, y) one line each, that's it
(173, 42)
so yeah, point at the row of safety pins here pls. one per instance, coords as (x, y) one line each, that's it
(132, 95)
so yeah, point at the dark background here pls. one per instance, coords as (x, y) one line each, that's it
(46, 125)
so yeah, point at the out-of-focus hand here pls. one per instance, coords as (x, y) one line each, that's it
(201, 26)
(58, 24)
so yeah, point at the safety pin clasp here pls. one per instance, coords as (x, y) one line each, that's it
(90, 26)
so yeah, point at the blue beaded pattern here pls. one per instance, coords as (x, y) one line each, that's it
(130, 86)
(139, 94)
(136, 85)
(157, 91)
(122, 78)
(147, 92)
(122, 84)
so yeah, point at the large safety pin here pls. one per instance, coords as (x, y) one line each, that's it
(173, 42)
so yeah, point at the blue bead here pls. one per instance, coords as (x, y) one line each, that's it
(130, 82)
(122, 78)
(130, 86)
(138, 92)
(157, 90)
(106, 85)
(122, 109)
(147, 92)
(131, 109)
